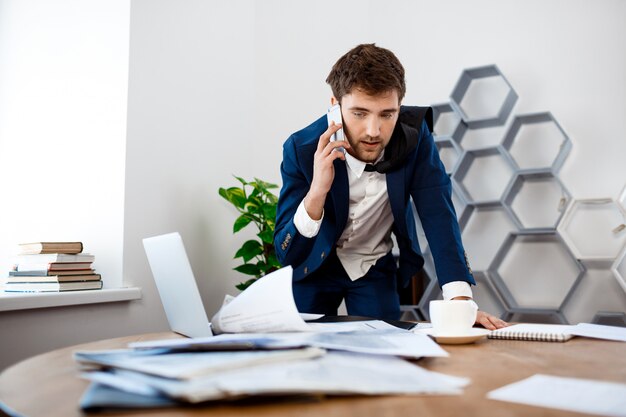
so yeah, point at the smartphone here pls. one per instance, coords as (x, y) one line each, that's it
(334, 115)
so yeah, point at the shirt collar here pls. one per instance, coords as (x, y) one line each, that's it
(357, 166)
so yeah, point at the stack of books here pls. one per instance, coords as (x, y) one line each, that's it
(52, 267)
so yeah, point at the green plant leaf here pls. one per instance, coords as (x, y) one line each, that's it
(266, 236)
(236, 196)
(273, 261)
(248, 269)
(269, 211)
(243, 285)
(241, 222)
(249, 250)
(241, 180)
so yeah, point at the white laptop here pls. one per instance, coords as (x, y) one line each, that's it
(176, 285)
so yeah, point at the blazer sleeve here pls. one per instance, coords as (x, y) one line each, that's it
(431, 191)
(291, 247)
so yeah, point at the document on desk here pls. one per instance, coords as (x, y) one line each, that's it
(335, 373)
(599, 331)
(265, 306)
(390, 342)
(572, 394)
(188, 365)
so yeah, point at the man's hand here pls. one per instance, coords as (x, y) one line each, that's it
(489, 321)
(323, 171)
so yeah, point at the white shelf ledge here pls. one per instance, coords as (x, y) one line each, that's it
(24, 301)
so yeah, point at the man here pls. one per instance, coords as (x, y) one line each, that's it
(337, 209)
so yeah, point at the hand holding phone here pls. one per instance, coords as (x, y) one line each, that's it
(334, 115)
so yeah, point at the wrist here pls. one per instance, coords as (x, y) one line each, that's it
(314, 205)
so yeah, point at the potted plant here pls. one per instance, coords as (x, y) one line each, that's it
(256, 205)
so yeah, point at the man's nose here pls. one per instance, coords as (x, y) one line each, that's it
(373, 127)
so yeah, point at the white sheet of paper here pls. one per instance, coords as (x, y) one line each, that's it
(599, 331)
(310, 316)
(265, 306)
(572, 394)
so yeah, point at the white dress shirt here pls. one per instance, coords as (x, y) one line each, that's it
(367, 235)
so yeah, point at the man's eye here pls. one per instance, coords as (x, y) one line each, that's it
(358, 114)
(388, 115)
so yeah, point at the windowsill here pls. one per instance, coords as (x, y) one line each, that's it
(24, 301)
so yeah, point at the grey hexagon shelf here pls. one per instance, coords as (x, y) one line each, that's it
(537, 201)
(622, 199)
(483, 175)
(537, 141)
(470, 138)
(483, 97)
(619, 269)
(449, 153)
(445, 120)
(610, 318)
(535, 271)
(484, 229)
(536, 316)
(487, 295)
(458, 200)
(594, 229)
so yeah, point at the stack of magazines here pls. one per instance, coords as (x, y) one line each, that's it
(52, 267)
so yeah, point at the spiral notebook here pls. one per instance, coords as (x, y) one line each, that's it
(534, 332)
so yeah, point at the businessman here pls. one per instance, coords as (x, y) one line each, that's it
(341, 201)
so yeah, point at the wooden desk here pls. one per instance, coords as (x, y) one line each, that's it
(48, 385)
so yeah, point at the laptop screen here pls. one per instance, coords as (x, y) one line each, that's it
(176, 285)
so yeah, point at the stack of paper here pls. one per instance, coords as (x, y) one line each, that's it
(268, 350)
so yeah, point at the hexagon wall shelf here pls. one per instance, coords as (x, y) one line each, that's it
(537, 141)
(594, 229)
(535, 271)
(449, 152)
(445, 120)
(619, 269)
(526, 238)
(622, 199)
(487, 296)
(535, 316)
(471, 139)
(537, 201)
(484, 230)
(483, 97)
(483, 175)
(610, 318)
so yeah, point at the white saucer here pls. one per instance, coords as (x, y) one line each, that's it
(470, 337)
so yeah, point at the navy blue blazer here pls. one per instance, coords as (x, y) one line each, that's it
(421, 176)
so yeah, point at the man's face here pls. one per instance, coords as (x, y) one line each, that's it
(368, 122)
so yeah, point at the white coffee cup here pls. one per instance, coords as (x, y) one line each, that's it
(452, 317)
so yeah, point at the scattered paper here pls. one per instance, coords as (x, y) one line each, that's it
(189, 365)
(333, 373)
(599, 331)
(389, 342)
(572, 394)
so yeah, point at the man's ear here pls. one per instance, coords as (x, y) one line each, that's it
(333, 101)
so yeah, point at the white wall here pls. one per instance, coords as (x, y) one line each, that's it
(63, 90)
(216, 87)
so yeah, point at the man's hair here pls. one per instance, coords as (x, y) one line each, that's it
(370, 68)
